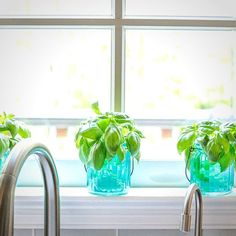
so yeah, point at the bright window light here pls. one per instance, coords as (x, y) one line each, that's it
(221, 9)
(180, 74)
(55, 72)
(52, 8)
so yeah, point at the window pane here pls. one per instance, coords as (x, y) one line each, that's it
(180, 8)
(59, 139)
(54, 72)
(180, 74)
(159, 143)
(51, 8)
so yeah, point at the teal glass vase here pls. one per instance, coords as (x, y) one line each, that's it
(112, 179)
(3, 160)
(213, 178)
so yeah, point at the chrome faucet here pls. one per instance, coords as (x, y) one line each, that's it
(8, 179)
(185, 225)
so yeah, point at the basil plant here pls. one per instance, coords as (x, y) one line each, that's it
(105, 136)
(216, 139)
(11, 132)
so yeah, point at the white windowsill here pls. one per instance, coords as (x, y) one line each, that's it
(142, 208)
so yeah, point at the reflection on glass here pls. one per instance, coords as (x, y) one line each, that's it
(180, 74)
(54, 72)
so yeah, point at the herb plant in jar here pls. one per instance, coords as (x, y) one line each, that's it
(210, 152)
(11, 132)
(107, 145)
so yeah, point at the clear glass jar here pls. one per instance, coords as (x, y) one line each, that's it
(3, 160)
(212, 177)
(112, 179)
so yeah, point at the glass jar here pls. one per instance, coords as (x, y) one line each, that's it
(112, 179)
(3, 160)
(213, 178)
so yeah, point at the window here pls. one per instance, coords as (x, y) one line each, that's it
(165, 63)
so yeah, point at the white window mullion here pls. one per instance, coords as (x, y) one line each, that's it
(118, 57)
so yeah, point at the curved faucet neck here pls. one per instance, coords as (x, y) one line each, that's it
(193, 190)
(8, 179)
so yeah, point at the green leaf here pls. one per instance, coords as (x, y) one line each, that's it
(3, 127)
(5, 116)
(91, 131)
(12, 126)
(84, 151)
(225, 161)
(233, 148)
(97, 155)
(125, 131)
(23, 131)
(121, 119)
(140, 134)
(229, 135)
(91, 142)
(206, 130)
(96, 109)
(108, 156)
(133, 143)
(185, 141)
(121, 151)
(112, 139)
(221, 140)
(137, 156)
(120, 115)
(128, 126)
(203, 141)
(124, 121)
(13, 142)
(4, 144)
(210, 123)
(189, 128)
(103, 124)
(187, 156)
(213, 150)
(78, 139)
(230, 127)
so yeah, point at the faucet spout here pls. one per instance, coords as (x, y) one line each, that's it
(8, 179)
(185, 225)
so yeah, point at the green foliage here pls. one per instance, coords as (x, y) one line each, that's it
(97, 155)
(11, 132)
(108, 134)
(112, 138)
(217, 139)
(133, 143)
(95, 108)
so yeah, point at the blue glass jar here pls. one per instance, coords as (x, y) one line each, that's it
(212, 177)
(3, 160)
(112, 179)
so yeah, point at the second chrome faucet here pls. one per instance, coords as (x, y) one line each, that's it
(193, 191)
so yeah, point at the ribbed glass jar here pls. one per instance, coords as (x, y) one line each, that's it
(212, 177)
(3, 160)
(112, 179)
